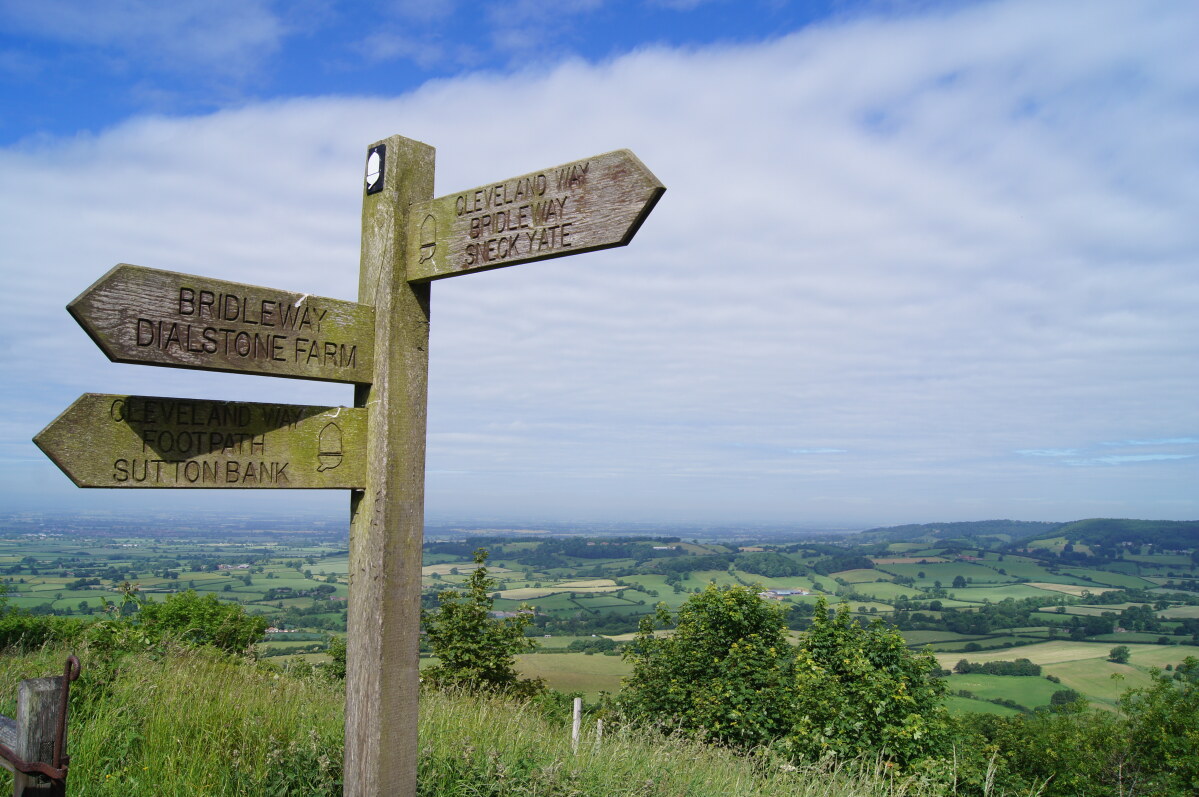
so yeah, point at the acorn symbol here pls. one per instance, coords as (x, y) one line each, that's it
(428, 238)
(374, 169)
(329, 448)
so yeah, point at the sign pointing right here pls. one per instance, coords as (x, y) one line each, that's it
(593, 203)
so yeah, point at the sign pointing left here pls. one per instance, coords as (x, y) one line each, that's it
(147, 441)
(153, 317)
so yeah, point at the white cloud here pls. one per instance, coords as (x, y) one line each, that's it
(224, 36)
(921, 243)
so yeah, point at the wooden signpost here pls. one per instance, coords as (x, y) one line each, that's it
(380, 344)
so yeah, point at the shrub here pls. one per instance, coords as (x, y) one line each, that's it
(724, 672)
(19, 629)
(476, 651)
(1162, 720)
(1064, 697)
(729, 673)
(201, 621)
(861, 691)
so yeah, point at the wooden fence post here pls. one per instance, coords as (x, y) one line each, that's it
(576, 724)
(38, 703)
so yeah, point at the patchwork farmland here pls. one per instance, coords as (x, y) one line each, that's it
(1059, 602)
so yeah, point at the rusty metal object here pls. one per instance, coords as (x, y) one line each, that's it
(70, 673)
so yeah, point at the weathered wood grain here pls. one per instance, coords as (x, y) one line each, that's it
(589, 204)
(153, 317)
(145, 441)
(38, 704)
(8, 738)
(387, 519)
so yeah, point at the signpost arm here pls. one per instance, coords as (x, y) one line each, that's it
(387, 519)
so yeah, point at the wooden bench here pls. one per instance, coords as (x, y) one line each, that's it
(33, 745)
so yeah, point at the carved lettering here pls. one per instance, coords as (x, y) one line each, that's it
(520, 218)
(246, 473)
(145, 441)
(185, 321)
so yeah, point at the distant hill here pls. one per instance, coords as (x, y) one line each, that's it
(1110, 532)
(1098, 532)
(983, 533)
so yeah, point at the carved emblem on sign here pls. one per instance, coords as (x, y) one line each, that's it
(329, 452)
(428, 239)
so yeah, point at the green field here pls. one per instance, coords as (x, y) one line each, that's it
(1110, 579)
(1091, 611)
(964, 705)
(928, 637)
(989, 643)
(999, 593)
(576, 672)
(861, 576)
(885, 591)
(1083, 666)
(1043, 653)
(946, 572)
(1093, 678)
(1029, 691)
(1180, 612)
(1146, 637)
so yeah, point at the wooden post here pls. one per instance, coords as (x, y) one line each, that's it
(36, 724)
(387, 518)
(576, 724)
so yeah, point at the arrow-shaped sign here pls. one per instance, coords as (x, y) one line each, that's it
(590, 204)
(153, 317)
(146, 441)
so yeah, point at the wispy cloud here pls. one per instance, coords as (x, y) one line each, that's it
(1047, 452)
(1126, 459)
(1092, 456)
(228, 37)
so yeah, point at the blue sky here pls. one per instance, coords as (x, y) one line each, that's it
(70, 65)
(916, 262)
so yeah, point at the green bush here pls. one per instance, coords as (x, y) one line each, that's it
(1163, 718)
(729, 673)
(201, 621)
(860, 691)
(22, 630)
(476, 651)
(725, 672)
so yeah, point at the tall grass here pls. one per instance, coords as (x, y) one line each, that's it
(187, 722)
(191, 722)
(472, 746)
